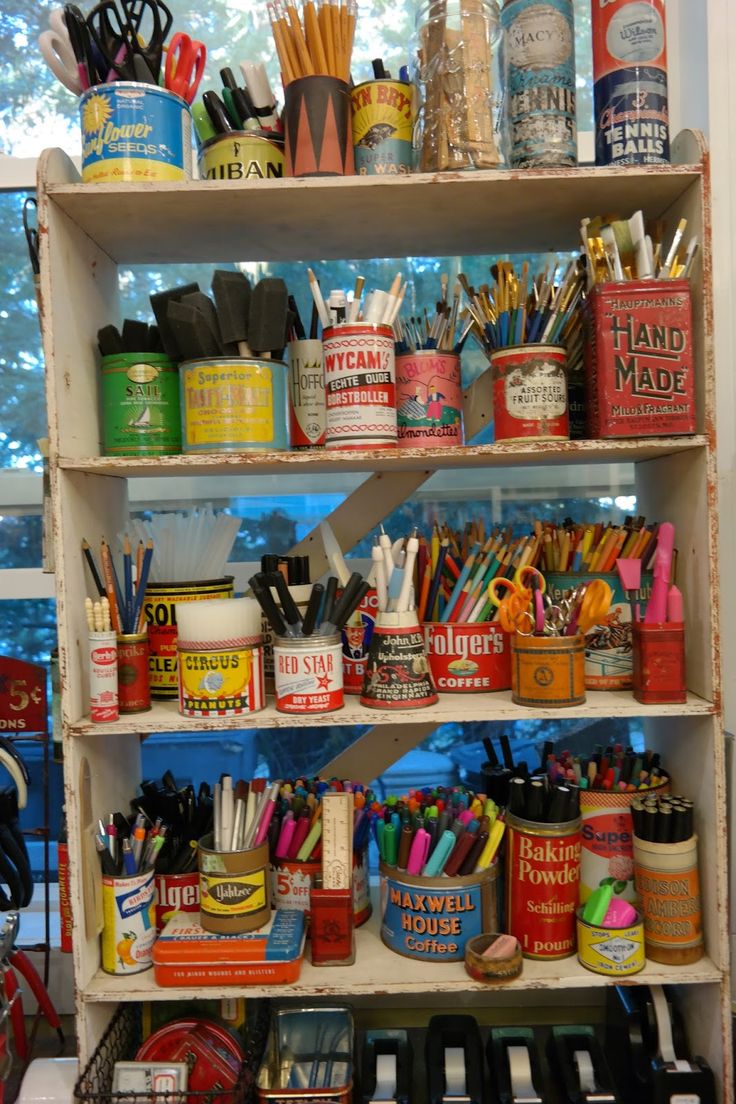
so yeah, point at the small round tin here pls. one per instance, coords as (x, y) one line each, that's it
(140, 405)
(491, 970)
(530, 393)
(613, 952)
(308, 673)
(134, 691)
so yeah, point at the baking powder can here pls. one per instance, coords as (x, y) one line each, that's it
(306, 391)
(128, 923)
(103, 677)
(530, 393)
(630, 82)
(360, 386)
(429, 399)
(539, 83)
(221, 678)
(542, 878)
(134, 691)
(308, 673)
(159, 608)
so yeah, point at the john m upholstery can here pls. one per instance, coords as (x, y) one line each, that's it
(133, 133)
(308, 673)
(360, 386)
(159, 608)
(542, 878)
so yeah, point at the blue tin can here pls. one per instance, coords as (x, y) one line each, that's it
(134, 132)
(229, 404)
(538, 66)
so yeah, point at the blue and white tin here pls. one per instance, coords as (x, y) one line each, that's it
(133, 133)
(538, 65)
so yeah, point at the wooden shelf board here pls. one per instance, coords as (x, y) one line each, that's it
(370, 460)
(447, 214)
(165, 717)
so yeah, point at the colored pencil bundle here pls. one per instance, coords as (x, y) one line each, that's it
(441, 333)
(120, 607)
(612, 768)
(628, 249)
(321, 44)
(594, 548)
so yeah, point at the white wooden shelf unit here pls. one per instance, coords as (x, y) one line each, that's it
(87, 231)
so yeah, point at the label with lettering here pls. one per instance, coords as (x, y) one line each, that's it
(530, 393)
(469, 658)
(233, 894)
(356, 642)
(103, 677)
(229, 404)
(159, 609)
(221, 678)
(133, 133)
(176, 893)
(308, 674)
(383, 125)
(360, 386)
(306, 395)
(429, 399)
(242, 156)
(670, 899)
(542, 878)
(291, 884)
(397, 674)
(128, 919)
(425, 921)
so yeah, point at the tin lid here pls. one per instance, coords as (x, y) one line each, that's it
(233, 362)
(213, 1053)
(184, 941)
(306, 643)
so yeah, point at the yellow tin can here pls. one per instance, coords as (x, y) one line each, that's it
(242, 155)
(159, 608)
(128, 922)
(221, 678)
(229, 404)
(613, 952)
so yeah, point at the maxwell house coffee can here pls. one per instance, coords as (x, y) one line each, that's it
(630, 82)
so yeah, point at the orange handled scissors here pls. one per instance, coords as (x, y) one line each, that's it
(592, 603)
(185, 61)
(513, 598)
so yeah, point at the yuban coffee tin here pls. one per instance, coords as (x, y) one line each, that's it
(140, 405)
(429, 399)
(468, 658)
(530, 393)
(542, 878)
(242, 155)
(308, 674)
(360, 386)
(134, 133)
(229, 404)
(159, 608)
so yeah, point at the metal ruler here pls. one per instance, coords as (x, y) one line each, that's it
(337, 840)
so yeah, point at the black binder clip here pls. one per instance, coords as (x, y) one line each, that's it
(577, 1060)
(386, 1067)
(515, 1066)
(454, 1061)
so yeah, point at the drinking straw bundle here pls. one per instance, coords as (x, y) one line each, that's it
(119, 607)
(189, 546)
(419, 333)
(321, 44)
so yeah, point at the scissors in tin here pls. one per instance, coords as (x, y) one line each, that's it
(514, 598)
(64, 48)
(185, 61)
(590, 603)
(130, 44)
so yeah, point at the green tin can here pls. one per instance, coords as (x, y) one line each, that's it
(140, 405)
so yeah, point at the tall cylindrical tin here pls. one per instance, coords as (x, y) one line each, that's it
(306, 395)
(221, 678)
(668, 883)
(612, 952)
(659, 663)
(530, 393)
(630, 82)
(548, 671)
(176, 893)
(429, 398)
(233, 888)
(308, 673)
(140, 405)
(468, 658)
(229, 404)
(383, 127)
(360, 386)
(542, 876)
(397, 674)
(242, 155)
(159, 608)
(128, 923)
(539, 83)
(356, 643)
(103, 677)
(134, 691)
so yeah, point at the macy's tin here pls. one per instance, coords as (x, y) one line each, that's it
(530, 393)
(306, 395)
(233, 403)
(308, 673)
(429, 399)
(176, 893)
(159, 608)
(360, 387)
(242, 155)
(468, 658)
(542, 877)
(128, 923)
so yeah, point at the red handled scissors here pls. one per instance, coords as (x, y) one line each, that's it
(185, 61)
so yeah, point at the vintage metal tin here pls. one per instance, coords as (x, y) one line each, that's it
(128, 918)
(134, 691)
(429, 399)
(229, 404)
(221, 678)
(639, 359)
(308, 674)
(383, 127)
(659, 663)
(140, 405)
(233, 888)
(133, 133)
(307, 417)
(242, 155)
(468, 658)
(668, 883)
(176, 893)
(360, 387)
(212, 1053)
(630, 82)
(613, 952)
(433, 918)
(103, 677)
(291, 883)
(548, 671)
(159, 608)
(539, 83)
(397, 674)
(530, 393)
(542, 876)
(356, 642)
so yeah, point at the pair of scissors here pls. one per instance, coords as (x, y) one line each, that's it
(185, 61)
(63, 50)
(131, 48)
(591, 602)
(514, 597)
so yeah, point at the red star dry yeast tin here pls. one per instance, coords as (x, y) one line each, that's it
(308, 673)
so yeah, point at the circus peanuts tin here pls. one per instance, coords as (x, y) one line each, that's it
(530, 393)
(134, 133)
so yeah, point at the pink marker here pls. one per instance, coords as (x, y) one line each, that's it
(286, 835)
(656, 612)
(262, 830)
(419, 852)
(674, 605)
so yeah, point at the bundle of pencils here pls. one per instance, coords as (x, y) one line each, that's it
(124, 604)
(611, 768)
(594, 548)
(321, 44)
(296, 829)
(628, 249)
(379, 308)
(441, 333)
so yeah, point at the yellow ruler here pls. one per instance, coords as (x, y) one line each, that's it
(337, 840)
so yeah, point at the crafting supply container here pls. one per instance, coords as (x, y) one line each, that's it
(176, 893)
(318, 1042)
(356, 643)
(292, 881)
(307, 416)
(229, 404)
(128, 923)
(134, 133)
(542, 878)
(233, 888)
(318, 135)
(659, 663)
(360, 386)
(548, 671)
(300, 593)
(491, 970)
(668, 883)
(630, 83)
(242, 155)
(308, 673)
(134, 691)
(159, 608)
(613, 952)
(468, 658)
(383, 127)
(429, 399)
(433, 918)
(538, 51)
(221, 677)
(103, 677)
(141, 415)
(397, 674)
(530, 393)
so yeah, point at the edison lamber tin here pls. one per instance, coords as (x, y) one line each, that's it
(134, 132)
(542, 878)
(229, 404)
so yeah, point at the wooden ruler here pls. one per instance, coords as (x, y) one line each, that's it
(337, 840)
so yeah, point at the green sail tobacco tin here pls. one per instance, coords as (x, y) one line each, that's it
(140, 405)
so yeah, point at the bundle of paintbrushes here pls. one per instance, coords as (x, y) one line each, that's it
(295, 832)
(189, 546)
(168, 821)
(320, 44)
(379, 307)
(611, 768)
(627, 249)
(120, 607)
(515, 310)
(250, 106)
(440, 333)
(326, 612)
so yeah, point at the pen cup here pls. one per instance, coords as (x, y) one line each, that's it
(128, 923)
(318, 127)
(668, 883)
(242, 155)
(360, 386)
(308, 673)
(659, 663)
(134, 690)
(429, 399)
(530, 393)
(397, 674)
(103, 677)
(176, 893)
(233, 888)
(548, 671)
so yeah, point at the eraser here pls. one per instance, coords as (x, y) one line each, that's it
(597, 904)
(620, 914)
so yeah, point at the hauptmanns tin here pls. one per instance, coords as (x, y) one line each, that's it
(176, 893)
(613, 952)
(128, 923)
(360, 386)
(429, 399)
(548, 671)
(468, 658)
(242, 155)
(233, 888)
(383, 127)
(542, 877)
(140, 405)
(133, 133)
(433, 918)
(159, 608)
(292, 881)
(233, 403)
(221, 678)
(530, 393)
(308, 673)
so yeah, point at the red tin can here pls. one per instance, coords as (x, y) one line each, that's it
(176, 893)
(308, 673)
(542, 878)
(356, 640)
(360, 386)
(639, 359)
(530, 393)
(429, 399)
(659, 662)
(468, 658)
(134, 691)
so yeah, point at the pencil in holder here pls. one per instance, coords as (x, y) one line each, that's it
(668, 883)
(548, 671)
(429, 399)
(103, 677)
(397, 674)
(530, 393)
(233, 888)
(318, 127)
(134, 690)
(659, 662)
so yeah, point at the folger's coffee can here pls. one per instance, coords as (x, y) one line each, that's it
(542, 878)
(306, 390)
(468, 658)
(360, 386)
(176, 893)
(530, 393)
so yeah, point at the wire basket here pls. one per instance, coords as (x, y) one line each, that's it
(121, 1042)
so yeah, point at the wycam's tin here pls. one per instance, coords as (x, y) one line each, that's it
(221, 678)
(140, 405)
(242, 155)
(468, 658)
(159, 608)
(128, 923)
(308, 674)
(383, 126)
(306, 395)
(229, 404)
(360, 386)
(613, 952)
(429, 399)
(176, 893)
(292, 881)
(103, 677)
(530, 393)
(639, 366)
(134, 132)
(542, 876)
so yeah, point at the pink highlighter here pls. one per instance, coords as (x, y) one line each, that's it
(656, 612)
